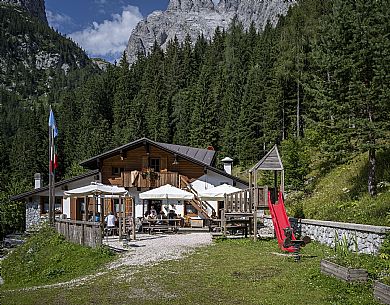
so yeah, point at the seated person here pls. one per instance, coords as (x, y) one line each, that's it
(172, 215)
(161, 216)
(97, 217)
(181, 220)
(153, 212)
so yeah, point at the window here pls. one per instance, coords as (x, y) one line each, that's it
(155, 164)
(116, 171)
(57, 205)
(190, 209)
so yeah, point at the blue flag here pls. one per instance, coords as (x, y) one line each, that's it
(52, 123)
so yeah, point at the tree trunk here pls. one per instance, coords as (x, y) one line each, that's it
(298, 111)
(371, 172)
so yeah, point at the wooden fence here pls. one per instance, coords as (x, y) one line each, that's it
(84, 233)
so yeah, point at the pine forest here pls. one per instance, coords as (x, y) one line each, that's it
(317, 84)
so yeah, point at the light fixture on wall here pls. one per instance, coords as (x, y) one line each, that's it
(175, 161)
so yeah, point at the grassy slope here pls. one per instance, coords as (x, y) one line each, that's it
(341, 195)
(230, 272)
(47, 258)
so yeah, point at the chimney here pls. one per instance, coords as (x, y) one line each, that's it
(38, 181)
(227, 165)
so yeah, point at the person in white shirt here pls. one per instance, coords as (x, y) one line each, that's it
(110, 220)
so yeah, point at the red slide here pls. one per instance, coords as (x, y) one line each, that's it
(280, 221)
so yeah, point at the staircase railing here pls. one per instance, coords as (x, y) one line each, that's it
(200, 205)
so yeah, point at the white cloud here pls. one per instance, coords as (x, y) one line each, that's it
(109, 38)
(57, 20)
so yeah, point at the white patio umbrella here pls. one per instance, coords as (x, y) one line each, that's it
(167, 192)
(218, 193)
(96, 189)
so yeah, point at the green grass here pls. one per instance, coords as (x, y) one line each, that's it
(341, 195)
(47, 258)
(229, 272)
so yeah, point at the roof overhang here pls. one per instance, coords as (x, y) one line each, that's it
(57, 184)
(93, 163)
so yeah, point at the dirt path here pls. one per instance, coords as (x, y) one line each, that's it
(146, 250)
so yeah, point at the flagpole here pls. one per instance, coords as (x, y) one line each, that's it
(50, 175)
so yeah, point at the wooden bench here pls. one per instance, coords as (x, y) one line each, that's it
(165, 225)
(162, 228)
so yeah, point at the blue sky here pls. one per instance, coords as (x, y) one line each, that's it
(101, 27)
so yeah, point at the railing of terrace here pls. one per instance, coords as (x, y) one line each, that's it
(145, 179)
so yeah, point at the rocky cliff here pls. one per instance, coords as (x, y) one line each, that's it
(34, 7)
(33, 57)
(193, 17)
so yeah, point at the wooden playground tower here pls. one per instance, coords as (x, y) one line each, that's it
(241, 208)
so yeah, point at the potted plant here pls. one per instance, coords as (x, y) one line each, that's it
(344, 264)
(149, 173)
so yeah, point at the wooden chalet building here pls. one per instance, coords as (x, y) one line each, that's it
(138, 166)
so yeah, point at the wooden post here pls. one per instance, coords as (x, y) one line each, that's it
(120, 218)
(255, 215)
(85, 208)
(102, 217)
(133, 219)
(94, 208)
(82, 234)
(223, 222)
(276, 186)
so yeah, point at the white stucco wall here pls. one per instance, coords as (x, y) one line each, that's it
(66, 207)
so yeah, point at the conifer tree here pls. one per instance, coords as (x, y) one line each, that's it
(235, 76)
(351, 89)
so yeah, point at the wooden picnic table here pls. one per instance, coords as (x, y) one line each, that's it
(161, 225)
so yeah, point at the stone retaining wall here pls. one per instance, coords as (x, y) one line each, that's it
(33, 215)
(368, 238)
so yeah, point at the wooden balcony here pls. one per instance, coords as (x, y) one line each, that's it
(142, 179)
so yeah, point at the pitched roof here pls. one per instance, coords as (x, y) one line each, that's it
(202, 155)
(59, 183)
(271, 161)
(197, 155)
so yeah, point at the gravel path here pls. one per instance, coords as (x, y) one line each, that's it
(146, 250)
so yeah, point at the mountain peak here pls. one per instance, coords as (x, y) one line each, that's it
(34, 7)
(194, 17)
(190, 5)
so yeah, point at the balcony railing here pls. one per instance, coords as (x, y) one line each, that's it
(145, 179)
